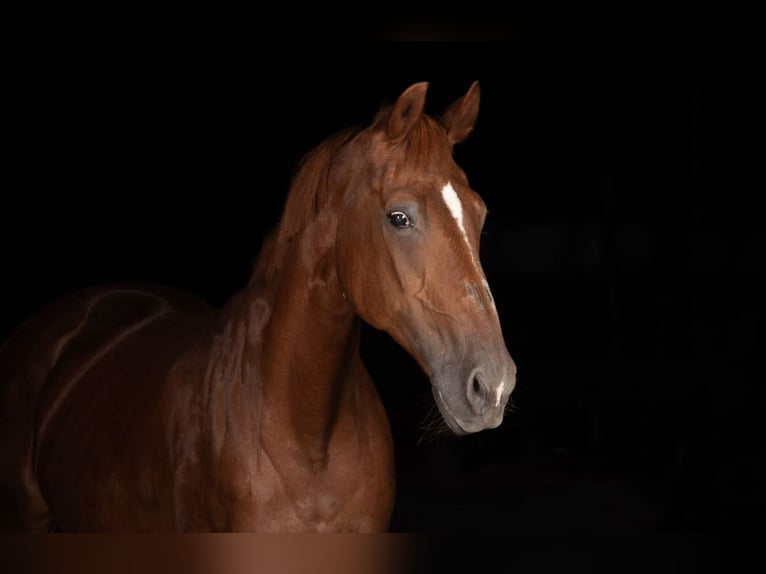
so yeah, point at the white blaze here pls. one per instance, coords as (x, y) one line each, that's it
(456, 209)
(452, 200)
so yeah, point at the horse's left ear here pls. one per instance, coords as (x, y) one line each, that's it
(460, 117)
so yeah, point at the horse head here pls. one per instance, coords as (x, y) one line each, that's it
(407, 254)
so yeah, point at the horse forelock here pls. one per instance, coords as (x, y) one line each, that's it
(425, 144)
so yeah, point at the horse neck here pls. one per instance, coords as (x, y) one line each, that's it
(308, 344)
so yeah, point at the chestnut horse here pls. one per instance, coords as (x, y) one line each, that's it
(139, 408)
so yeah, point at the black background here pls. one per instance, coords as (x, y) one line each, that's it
(623, 244)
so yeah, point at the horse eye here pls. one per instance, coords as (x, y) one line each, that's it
(399, 219)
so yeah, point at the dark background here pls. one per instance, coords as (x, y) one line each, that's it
(623, 244)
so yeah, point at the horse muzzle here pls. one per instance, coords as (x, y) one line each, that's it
(472, 397)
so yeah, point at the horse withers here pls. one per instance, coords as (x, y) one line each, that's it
(140, 408)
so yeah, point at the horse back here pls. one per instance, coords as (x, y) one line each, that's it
(43, 364)
(80, 327)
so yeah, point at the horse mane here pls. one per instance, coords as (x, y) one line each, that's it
(309, 192)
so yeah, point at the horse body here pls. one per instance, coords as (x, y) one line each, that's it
(189, 410)
(133, 407)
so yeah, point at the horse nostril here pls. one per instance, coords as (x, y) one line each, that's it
(478, 393)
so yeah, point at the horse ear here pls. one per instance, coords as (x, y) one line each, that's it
(406, 110)
(460, 117)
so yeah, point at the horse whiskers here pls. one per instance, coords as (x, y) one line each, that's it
(432, 426)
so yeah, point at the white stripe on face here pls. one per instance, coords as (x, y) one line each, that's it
(456, 209)
(499, 392)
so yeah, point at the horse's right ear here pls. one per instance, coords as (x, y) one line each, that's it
(406, 111)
